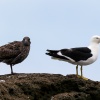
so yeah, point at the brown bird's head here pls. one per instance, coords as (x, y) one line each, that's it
(26, 41)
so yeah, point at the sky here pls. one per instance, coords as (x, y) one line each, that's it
(50, 24)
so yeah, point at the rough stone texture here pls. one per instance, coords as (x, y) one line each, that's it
(47, 87)
(72, 96)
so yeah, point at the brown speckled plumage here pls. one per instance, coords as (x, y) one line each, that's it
(15, 52)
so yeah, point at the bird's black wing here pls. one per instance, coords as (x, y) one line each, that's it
(77, 54)
(82, 49)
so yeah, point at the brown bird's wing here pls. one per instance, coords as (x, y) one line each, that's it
(12, 45)
(10, 50)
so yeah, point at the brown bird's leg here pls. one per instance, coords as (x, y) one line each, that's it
(77, 70)
(11, 69)
(81, 71)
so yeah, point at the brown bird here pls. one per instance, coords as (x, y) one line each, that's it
(15, 52)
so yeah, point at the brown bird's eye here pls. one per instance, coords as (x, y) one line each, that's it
(28, 39)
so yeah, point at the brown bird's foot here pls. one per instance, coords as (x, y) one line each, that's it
(14, 73)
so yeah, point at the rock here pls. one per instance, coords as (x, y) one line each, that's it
(72, 96)
(47, 87)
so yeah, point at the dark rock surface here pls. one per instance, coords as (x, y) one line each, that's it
(47, 87)
(72, 96)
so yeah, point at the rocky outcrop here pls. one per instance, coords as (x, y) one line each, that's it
(47, 87)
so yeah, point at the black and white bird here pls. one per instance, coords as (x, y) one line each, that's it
(15, 52)
(78, 56)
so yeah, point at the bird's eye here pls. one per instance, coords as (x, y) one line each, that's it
(28, 39)
(97, 38)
